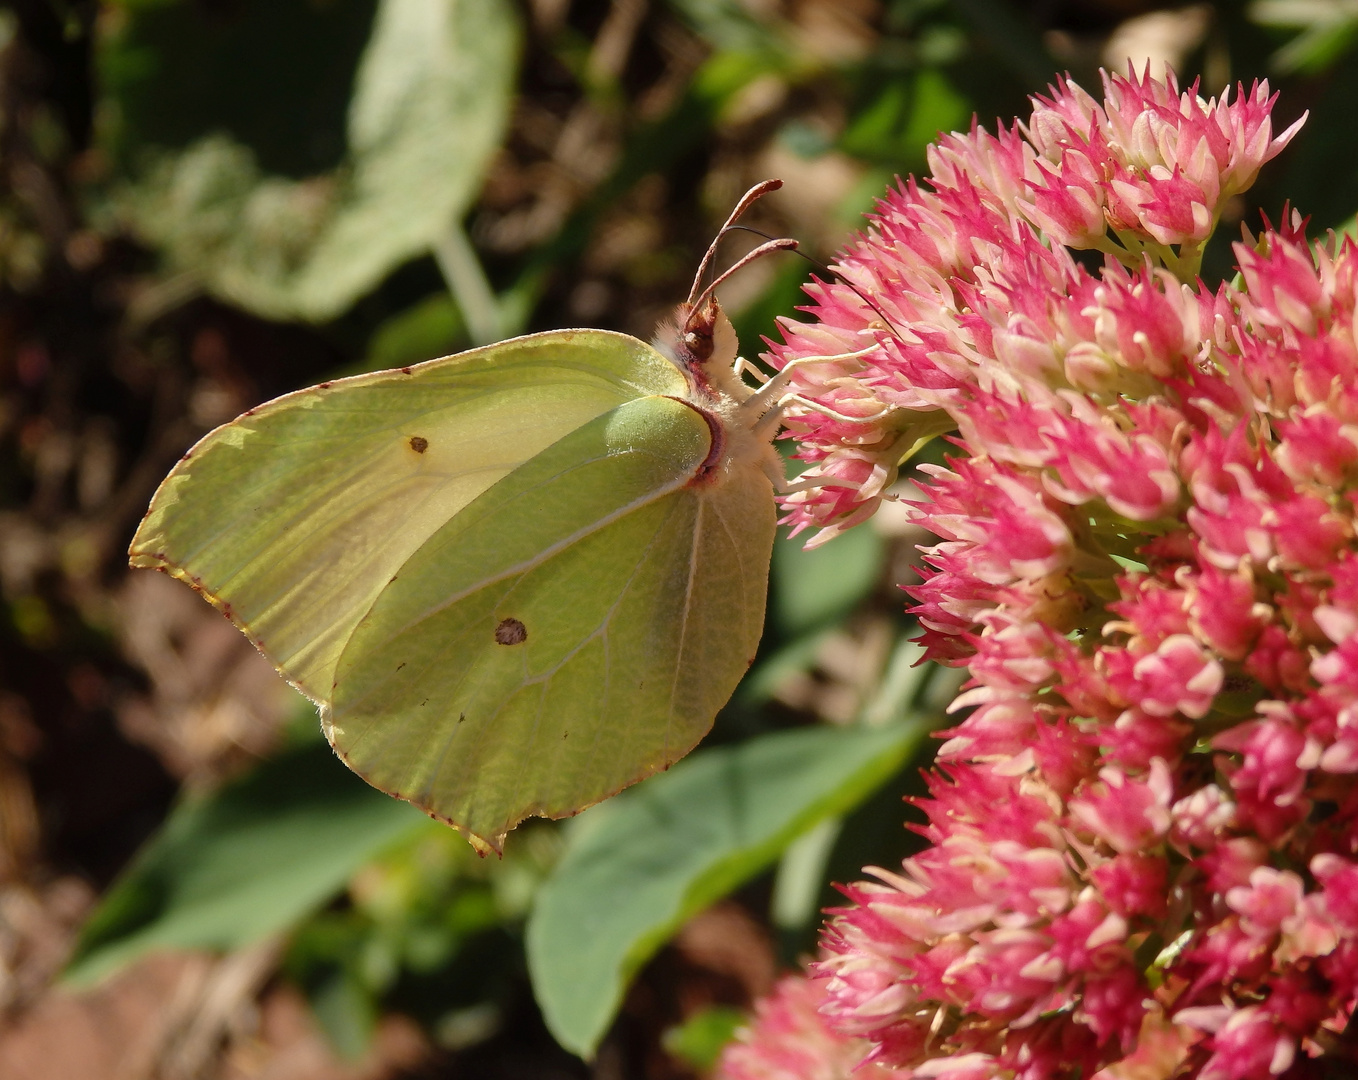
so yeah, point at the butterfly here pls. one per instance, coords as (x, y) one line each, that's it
(514, 580)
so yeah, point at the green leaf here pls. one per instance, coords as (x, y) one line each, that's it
(252, 860)
(347, 1014)
(433, 327)
(1327, 32)
(801, 873)
(905, 116)
(812, 588)
(699, 1040)
(430, 101)
(637, 867)
(729, 25)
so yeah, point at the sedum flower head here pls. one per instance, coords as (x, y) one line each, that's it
(1142, 836)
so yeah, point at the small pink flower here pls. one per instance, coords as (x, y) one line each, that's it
(1229, 863)
(1339, 877)
(1225, 613)
(1318, 447)
(1114, 1006)
(1128, 815)
(1173, 209)
(1068, 205)
(1134, 884)
(1270, 783)
(1180, 676)
(1263, 905)
(1249, 1046)
(1201, 818)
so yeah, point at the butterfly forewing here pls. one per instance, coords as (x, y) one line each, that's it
(293, 518)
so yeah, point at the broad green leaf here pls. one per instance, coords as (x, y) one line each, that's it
(729, 25)
(1327, 31)
(814, 587)
(801, 873)
(347, 1014)
(252, 860)
(637, 867)
(430, 100)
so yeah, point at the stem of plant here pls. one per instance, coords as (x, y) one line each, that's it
(467, 282)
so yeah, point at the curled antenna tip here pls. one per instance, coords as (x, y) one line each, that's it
(785, 243)
(746, 201)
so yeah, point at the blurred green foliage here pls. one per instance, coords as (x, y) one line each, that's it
(232, 869)
(699, 1040)
(428, 103)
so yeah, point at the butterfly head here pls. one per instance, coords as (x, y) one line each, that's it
(700, 341)
(698, 330)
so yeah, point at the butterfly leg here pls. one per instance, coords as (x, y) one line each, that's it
(743, 367)
(773, 418)
(768, 396)
(825, 410)
(815, 483)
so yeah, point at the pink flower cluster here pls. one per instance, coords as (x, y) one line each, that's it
(1142, 839)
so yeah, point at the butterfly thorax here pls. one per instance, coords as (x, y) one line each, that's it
(702, 343)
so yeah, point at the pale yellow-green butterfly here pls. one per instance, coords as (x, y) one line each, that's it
(514, 580)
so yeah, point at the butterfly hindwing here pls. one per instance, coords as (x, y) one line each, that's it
(572, 630)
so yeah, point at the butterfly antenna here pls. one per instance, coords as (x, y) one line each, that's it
(829, 270)
(786, 243)
(746, 201)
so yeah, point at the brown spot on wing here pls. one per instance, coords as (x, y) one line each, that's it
(419, 443)
(511, 632)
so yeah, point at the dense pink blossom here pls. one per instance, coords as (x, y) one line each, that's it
(1142, 834)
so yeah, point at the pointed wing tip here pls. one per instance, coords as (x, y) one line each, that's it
(484, 846)
(491, 843)
(487, 843)
(141, 560)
